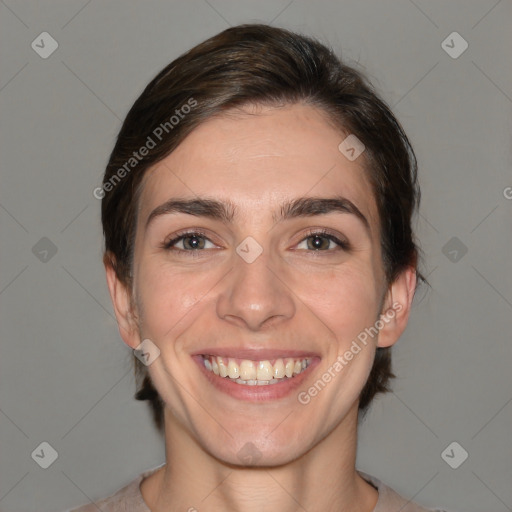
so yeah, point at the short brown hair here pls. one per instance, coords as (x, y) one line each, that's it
(261, 65)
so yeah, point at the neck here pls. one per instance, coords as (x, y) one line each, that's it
(324, 478)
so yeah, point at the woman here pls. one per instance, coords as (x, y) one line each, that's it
(260, 258)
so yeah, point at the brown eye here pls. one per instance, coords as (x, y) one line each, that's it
(322, 242)
(193, 242)
(317, 242)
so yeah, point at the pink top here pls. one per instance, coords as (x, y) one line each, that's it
(129, 498)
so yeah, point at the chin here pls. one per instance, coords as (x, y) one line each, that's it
(258, 452)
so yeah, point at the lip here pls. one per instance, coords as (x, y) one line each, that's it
(256, 393)
(255, 354)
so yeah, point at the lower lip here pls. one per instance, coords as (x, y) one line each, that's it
(256, 393)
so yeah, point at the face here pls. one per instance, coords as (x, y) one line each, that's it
(257, 264)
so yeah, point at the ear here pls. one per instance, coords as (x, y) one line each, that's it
(123, 308)
(396, 308)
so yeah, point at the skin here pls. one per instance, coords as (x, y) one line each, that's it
(290, 297)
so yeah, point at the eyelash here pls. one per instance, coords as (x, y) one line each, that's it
(180, 236)
(343, 244)
(323, 233)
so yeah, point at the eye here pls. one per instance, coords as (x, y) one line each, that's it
(191, 241)
(322, 241)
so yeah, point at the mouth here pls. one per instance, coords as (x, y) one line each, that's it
(256, 375)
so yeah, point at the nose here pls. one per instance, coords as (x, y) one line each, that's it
(255, 296)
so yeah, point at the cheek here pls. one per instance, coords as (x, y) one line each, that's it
(164, 297)
(345, 300)
(170, 299)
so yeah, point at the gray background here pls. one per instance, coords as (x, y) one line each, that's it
(66, 376)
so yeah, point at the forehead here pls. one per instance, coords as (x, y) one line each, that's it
(259, 157)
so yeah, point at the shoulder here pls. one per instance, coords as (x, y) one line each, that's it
(390, 501)
(128, 498)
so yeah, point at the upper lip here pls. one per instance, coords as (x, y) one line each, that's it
(260, 354)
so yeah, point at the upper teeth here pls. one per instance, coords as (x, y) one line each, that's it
(255, 372)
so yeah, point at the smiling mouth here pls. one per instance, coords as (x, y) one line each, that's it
(255, 373)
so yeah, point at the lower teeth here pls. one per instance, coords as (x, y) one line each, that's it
(257, 382)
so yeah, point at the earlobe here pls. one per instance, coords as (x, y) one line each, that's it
(121, 300)
(397, 306)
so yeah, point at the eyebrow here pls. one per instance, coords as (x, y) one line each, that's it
(211, 208)
(225, 211)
